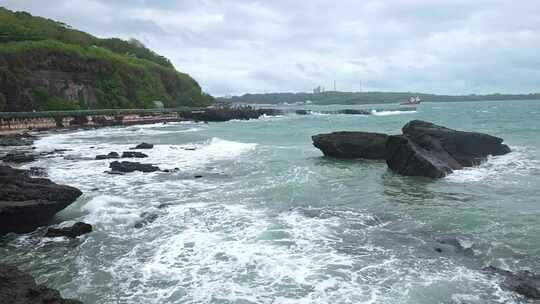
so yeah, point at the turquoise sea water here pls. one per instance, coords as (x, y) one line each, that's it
(272, 221)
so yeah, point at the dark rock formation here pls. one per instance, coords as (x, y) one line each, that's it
(407, 158)
(467, 148)
(27, 203)
(229, 113)
(143, 146)
(111, 155)
(19, 157)
(74, 231)
(23, 139)
(127, 167)
(301, 112)
(352, 144)
(426, 149)
(133, 155)
(524, 283)
(17, 287)
(353, 112)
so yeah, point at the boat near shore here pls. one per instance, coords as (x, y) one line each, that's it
(412, 101)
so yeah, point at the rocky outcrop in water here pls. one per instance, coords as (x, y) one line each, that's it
(27, 203)
(133, 155)
(127, 167)
(352, 144)
(111, 155)
(23, 139)
(229, 113)
(426, 149)
(143, 146)
(18, 157)
(17, 287)
(524, 283)
(73, 231)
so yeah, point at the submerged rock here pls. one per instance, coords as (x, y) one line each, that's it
(147, 218)
(23, 139)
(143, 146)
(27, 203)
(524, 283)
(127, 167)
(133, 155)
(426, 149)
(352, 144)
(17, 287)
(19, 157)
(111, 155)
(74, 231)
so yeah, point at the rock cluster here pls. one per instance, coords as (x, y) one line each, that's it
(74, 231)
(424, 148)
(126, 167)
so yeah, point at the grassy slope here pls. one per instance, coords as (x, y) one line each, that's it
(139, 75)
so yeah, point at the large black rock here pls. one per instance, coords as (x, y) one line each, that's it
(352, 144)
(17, 287)
(27, 203)
(127, 167)
(426, 149)
(467, 148)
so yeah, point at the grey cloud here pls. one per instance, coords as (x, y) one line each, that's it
(231, 47)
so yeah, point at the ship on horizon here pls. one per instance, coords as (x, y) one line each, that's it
(412, 101)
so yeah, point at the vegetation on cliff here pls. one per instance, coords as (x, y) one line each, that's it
(46, 65)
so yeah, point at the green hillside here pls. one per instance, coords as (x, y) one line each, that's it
(46, 65)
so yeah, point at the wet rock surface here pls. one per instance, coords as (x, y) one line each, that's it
(111, 155)
(127, 167)
(17, 287)
(73, 231)
(133, 154)
(143, 146)
(352, 144)
(524, 283)
(27, 203)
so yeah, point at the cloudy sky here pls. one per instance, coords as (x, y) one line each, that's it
(241, 46)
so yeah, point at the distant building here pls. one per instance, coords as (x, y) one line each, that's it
(318, 90)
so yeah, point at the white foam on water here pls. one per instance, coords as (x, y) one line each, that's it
(107, 209)
(388, 113)
(516, 163)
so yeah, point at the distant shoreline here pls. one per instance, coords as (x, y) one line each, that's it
(361, 98)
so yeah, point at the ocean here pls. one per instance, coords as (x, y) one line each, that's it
(273, 221)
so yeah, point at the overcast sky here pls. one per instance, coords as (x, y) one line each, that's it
(241, 46)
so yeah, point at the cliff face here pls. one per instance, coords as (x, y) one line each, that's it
(29, 80)
(45, 65)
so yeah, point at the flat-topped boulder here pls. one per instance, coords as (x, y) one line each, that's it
(427, 149)
(27, 203)
(133, 154)
(17, 287)
(352, 144)
(126, 167)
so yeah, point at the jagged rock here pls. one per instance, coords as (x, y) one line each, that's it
(352, 144)
(426, 149)
(133, 155)
(19, 157)
(111, 155)
(27, 203)
(467, 148)
(143, 146)
(127, 167)
(407, 158)
(17, 287)
(524, 283)
(74, 231)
